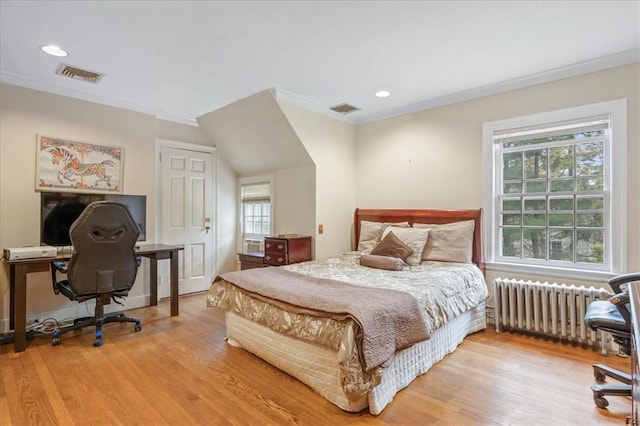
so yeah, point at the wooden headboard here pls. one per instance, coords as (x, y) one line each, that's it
(426, 216)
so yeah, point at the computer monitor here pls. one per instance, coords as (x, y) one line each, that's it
(60, 209)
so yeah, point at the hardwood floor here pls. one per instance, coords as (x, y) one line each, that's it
(179, 370)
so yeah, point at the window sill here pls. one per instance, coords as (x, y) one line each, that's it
(551, 272)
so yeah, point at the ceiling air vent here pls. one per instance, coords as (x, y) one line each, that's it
(344, 108)
(78, 74)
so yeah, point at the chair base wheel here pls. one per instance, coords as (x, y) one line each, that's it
(55, 341)
(138, 327)
(601, 402)
(97, 342)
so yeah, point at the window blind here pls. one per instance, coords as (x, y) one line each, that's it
(256, 192)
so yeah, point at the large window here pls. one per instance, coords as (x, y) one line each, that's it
(256, 214)
(554, 200)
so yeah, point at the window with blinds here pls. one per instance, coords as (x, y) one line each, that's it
(552, 198)
(256, 214)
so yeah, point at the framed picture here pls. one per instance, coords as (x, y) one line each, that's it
(63, 165)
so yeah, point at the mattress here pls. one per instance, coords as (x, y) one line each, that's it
(325, 352)
(318, 366)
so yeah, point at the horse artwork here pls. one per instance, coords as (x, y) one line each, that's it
(79, 166)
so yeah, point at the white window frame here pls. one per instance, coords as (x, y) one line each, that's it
(248, 181)
(616, 157)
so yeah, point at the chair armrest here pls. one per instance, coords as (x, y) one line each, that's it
(57, 267)
(617, 282)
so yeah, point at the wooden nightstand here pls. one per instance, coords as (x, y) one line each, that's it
(285, 250)
(251, 260)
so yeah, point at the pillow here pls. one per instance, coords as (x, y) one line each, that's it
(370, 233)
(451, 242)
(382, 262)
(415, 238)
(392, 246)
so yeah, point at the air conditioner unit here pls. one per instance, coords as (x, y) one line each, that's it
(251, 244)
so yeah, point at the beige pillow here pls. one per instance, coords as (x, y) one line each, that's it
(370, 233)
(450, 242)
(392, 246)
(382, 262)
(414, 238)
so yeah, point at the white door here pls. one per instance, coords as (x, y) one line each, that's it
(187, 206)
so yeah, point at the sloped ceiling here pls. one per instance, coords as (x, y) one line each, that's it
(254, 135)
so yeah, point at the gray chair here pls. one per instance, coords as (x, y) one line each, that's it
(103, 265)
(612, 316)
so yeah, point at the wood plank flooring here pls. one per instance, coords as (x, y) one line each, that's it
(180, 371)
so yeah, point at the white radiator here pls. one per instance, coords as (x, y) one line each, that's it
(555, 310)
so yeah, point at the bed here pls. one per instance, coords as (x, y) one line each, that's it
(359, 355)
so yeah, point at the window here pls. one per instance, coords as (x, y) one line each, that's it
(256, 214)
(557, 189)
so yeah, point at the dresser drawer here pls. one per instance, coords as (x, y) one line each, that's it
(276, 259)
(275, 246)
(285, 250)
(251, 260)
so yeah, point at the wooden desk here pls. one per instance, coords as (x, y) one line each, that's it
(18, 270)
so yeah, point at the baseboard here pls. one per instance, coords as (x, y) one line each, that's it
(79, 310)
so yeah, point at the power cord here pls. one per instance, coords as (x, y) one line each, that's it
(48, 326)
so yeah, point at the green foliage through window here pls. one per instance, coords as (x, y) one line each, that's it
(553, 201)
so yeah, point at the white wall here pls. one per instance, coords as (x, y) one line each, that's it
(433, 158)
(332, 146)
(25, 113)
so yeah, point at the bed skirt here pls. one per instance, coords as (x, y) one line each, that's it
(317, 366)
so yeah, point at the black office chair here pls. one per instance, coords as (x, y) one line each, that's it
(103, 265)
(612, 316)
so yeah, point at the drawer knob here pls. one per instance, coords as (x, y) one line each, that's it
(268, 245)
(268, 257)
(280, 246)
(280, 260)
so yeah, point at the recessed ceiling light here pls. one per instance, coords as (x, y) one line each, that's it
(53, 50)
(383, 93)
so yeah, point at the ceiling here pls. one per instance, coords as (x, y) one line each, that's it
(179, 60)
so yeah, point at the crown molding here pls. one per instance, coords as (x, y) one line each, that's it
(17, 80)
(598, 64)
(361, 117)
(303, 102)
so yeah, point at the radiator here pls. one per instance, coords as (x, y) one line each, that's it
(555, 310)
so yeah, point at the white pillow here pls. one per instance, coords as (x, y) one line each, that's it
(415, 238)
(450, 242)
(370, 234)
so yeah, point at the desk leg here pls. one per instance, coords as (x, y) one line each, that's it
(174, 282)
(20, 309)
(12, 297)
(153, 262)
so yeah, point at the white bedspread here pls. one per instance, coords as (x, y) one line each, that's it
(445, 289)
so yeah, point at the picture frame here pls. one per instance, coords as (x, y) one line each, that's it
(64, 165)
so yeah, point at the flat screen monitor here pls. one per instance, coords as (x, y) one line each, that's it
(60, 209)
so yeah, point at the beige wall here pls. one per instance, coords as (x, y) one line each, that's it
(433, 158)
(294, 194)
(332, 146)
(427, 159)
(25, 113)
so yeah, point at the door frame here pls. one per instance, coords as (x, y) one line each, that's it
(166, 143)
